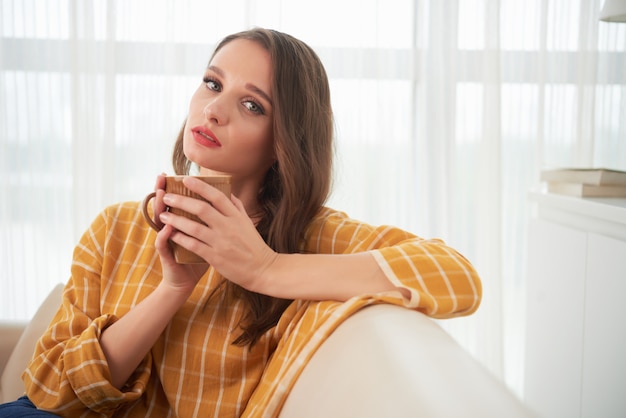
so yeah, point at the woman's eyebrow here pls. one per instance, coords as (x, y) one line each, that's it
(249, 86)
(260, 92)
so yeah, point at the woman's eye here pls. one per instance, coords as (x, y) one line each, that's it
(253, 107)
(212, 84)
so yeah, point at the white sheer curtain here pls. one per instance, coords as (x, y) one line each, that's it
(446, 111)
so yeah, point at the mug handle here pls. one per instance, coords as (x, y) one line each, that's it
(146, 215)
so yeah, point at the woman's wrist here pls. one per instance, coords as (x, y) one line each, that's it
(172, 294)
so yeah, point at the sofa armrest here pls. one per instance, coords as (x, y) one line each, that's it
(10, 332)
(11, 385)
(390, 361)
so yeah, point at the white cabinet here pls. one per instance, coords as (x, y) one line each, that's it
(575, 358)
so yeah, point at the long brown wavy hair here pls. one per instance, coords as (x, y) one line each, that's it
(298, 184)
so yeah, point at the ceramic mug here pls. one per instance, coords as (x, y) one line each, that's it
(174, 184)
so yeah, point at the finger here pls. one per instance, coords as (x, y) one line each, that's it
(162, 245)
(190, 243)
(237, 202)
(185, 226)
(200, 208)
(160, 182)
(211, 194)
(241, 208)
(158, 204)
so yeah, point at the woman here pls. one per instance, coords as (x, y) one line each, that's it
(140, 335)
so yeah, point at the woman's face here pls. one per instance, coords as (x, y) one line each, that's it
(229, 126)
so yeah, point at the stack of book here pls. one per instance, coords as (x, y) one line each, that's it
(586, 182)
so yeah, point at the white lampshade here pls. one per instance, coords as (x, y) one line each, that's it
(614, 11)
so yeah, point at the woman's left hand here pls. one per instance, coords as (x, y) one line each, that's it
(229, 241)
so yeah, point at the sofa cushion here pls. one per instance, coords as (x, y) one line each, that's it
(11, 382)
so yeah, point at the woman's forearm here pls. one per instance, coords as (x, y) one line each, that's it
(127, 341)
(325, 277)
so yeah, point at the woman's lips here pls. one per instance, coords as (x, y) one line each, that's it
(205, 137)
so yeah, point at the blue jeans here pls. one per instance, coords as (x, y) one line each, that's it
(22, 408)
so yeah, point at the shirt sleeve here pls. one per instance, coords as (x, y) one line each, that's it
(441, 282)
(69, 374)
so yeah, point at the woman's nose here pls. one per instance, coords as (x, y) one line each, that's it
(215, 111)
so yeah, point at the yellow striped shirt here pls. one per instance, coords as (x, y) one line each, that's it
(193, 369)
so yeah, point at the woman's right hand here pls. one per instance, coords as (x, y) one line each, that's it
(126, 342)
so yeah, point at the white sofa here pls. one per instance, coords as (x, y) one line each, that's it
(384, 361)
